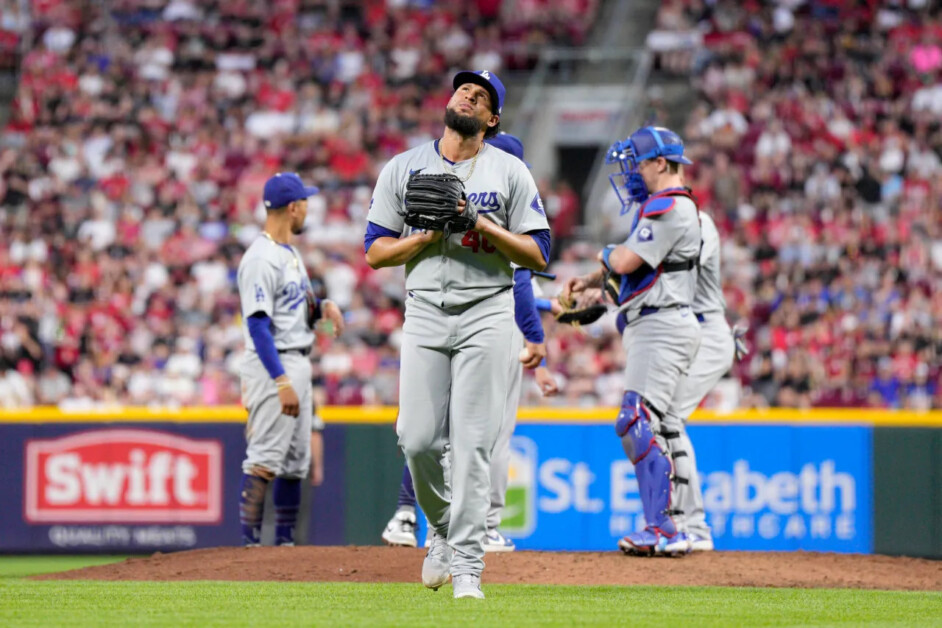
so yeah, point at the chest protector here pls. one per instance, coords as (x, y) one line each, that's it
(623, 288)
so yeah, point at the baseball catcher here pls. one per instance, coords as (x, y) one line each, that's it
(433, 202)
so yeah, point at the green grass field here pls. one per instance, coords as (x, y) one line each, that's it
(77, 603)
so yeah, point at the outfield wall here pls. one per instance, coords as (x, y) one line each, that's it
(140, 480)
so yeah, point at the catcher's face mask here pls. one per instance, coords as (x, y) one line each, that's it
(628, 183)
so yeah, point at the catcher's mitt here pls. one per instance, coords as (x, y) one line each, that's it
(582, 315)
(431, 203)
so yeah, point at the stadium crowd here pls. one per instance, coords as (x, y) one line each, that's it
(133, 163)
(817, 141)
(132, 167)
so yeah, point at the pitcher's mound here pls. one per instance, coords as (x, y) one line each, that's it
(393, 564)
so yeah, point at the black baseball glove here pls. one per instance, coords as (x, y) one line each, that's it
(313, 309)
(582, 315)
(431, 203)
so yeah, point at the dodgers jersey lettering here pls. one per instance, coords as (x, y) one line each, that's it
(673, 236)
(272, 279)
(465, 268)
(709, 295)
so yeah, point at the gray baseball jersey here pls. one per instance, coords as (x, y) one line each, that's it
(464, 268)
(709, 293)
(272, 279)
(668, 231)
(458, 328)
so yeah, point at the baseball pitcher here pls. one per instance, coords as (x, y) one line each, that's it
(651, 277)
(457, 243)
(400, 530)
(279, 311)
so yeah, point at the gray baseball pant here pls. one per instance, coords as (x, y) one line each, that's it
(713, 360)
(275, 441)
(453, 387)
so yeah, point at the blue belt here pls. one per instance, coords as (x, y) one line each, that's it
(701, 318)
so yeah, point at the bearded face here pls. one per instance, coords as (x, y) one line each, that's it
(465, 126)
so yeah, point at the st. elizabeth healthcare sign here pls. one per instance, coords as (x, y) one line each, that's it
(766, 487)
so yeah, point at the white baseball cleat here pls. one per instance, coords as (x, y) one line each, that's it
(700, 543)
(494, 541)
(401, 529)
(468, 585)
(436, 568)
(677, 545)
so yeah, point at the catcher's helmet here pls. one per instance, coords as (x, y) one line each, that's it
(646, 143)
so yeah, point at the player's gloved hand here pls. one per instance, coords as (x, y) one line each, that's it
(533, 354)
(739, 340)
(546, 381)
(576, 288)
(433, 201)
(290, 404)
(571, 291)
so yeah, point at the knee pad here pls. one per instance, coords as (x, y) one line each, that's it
(633, 426)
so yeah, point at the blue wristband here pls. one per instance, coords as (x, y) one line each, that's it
(543, 305)
(543, 362)
(606, 253)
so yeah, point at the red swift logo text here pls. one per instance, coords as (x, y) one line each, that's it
(133, 476)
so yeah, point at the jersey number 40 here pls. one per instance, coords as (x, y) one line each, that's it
(474, 241)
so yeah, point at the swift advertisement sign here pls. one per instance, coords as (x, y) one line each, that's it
(123, 476)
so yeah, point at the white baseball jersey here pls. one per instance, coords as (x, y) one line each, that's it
(465, 268)
(272, 279)
(709, 294)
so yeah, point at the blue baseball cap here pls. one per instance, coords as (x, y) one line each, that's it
(509, 144)
(285, 188)
(487, 80)
(656, 141)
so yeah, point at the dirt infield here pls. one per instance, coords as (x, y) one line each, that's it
(387, 564)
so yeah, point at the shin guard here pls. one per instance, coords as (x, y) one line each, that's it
(652, 466)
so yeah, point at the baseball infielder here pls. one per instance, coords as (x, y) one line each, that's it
(459, 319)
(652, 277)
(713, 360)
(277, 312)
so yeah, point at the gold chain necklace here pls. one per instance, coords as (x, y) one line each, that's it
(452, 170)
(294, 256)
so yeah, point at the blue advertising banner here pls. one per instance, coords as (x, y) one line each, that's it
(765, 487)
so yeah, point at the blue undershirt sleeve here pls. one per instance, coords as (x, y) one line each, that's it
(374, 231)
(525, 312)
(260, 330)
(543, 240)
